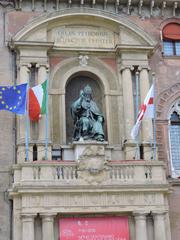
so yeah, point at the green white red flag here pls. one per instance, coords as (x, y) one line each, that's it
(37, 101)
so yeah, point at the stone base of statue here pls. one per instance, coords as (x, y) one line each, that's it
(91, 159)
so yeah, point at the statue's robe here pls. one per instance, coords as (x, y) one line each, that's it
(86, 114)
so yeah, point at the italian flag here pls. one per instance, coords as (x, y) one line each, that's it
(37, 101)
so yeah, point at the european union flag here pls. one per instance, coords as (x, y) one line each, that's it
(13, 98)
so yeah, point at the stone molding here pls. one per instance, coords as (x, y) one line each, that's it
(153, 8)
(166, 99)
(44, 19)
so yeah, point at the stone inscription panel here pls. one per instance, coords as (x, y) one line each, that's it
(83, 37)
(88, 200)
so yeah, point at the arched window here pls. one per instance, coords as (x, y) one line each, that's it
(174, 137)
(171, 39)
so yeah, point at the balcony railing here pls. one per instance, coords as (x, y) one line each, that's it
(68, 173)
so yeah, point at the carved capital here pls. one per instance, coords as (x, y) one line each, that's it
(26, 65)
(38, 65)
(131, 68)
(140, 68)
(140, 215)
(48, 217)
(28, 217)
(159, 213)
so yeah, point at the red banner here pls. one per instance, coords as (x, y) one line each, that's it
(94, 228)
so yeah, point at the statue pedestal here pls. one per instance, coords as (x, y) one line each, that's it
(88, 148)
(91, 159)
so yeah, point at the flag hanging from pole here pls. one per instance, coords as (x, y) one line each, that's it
(146, 111)
(13, 98)
(37, 101)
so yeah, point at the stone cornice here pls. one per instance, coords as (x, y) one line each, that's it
(72, 189)
(125, 48)
(30, 44)
(137, 7)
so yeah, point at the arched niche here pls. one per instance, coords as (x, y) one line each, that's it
(63, 74)
(74, 85)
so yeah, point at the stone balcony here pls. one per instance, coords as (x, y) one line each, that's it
(80, 186)
(64, 174)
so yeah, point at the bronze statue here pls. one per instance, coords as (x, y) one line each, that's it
(88, 120)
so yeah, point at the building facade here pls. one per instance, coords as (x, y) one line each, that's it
(119, 48)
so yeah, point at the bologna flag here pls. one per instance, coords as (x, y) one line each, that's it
(37, 101)
(146, 111)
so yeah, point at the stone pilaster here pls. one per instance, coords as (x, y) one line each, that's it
(147, 129)
(28, 226)
(140, 225)
(128, 102)
(24, 76)
(17, 221)
(47, 226)
(159, 225)
(42, 76)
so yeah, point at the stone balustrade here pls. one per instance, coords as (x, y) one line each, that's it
(66, 172)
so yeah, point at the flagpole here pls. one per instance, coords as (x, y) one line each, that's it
(154, 119)
(47, 118)
(27, 121)
(137, 155)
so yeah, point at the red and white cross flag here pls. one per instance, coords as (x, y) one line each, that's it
(146, 111)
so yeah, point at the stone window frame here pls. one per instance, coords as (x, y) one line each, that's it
(164, 104)
(173, 43)
(175, 107)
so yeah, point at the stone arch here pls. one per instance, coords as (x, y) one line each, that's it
(71, 66)
(166, 99)
(43, 21)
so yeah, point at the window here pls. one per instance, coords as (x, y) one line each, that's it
(171, 48)
(171, 39)
(174, 137)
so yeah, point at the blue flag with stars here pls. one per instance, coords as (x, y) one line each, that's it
(13, 98)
